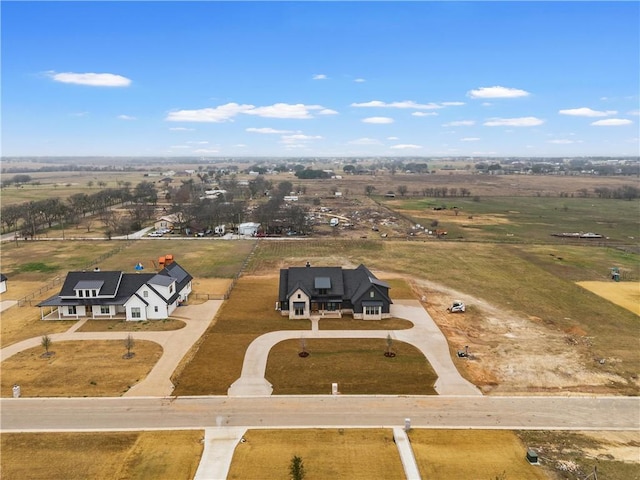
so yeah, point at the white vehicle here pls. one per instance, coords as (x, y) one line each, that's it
(457, 307)
(334, 222)
(155, 234)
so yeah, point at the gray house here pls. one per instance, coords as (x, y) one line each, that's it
(331, 292)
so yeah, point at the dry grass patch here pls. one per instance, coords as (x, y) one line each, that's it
(357, 365)
(326, 453)
(21, 323)
(478, 454)
(79, 368)
(171, 455)
(575, 454)
(625, 294)
(124, 326)
(212, 286)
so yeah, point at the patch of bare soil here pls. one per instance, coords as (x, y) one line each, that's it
(509, 353)
(620, 446)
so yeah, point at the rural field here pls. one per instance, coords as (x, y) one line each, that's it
(543, 317)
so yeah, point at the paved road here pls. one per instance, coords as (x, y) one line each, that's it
(138, 413)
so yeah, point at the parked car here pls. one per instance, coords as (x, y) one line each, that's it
(155, 234)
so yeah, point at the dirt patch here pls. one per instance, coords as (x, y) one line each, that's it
(512, 354)
(625, 294)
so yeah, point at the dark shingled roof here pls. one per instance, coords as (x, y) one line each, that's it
(3, 277)
(118, 287)
(342, 283)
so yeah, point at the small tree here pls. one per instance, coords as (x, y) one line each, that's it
(46, 344)
(389, 353)
(296, 468)
(129, 343)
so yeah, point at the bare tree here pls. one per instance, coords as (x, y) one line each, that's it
(129, 343)
(46, 344)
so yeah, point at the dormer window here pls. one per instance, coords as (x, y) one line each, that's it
(322, 284)
(372, 294)
(80, 293)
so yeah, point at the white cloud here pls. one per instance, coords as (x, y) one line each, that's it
(561, 141)
(612, 122)
(284, 110)
(365, 141)
(586, 112)
(460, 123)
(497, 92)
(298, 138)
(486, 104)
(91, 79)
(267, 130)
(406, 146)
(181, 129)
(514, 122)
(327, 111)
(403, 104)
(392, 138)
(378, 120)
(218, 114)
(469, 139)
(452, 104)
(204, 142)
(320, 76)
(424, 114)
(241, 145)
(359, 80)
(126, 117)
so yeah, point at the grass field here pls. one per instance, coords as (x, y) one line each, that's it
(168, 455)
(326, 453)
(526, 219)
(477, 454)
(358, 366)
(79, 369)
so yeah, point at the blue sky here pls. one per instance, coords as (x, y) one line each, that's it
(320, 78)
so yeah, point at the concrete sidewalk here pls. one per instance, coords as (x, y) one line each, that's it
(409, 464)
(425, 335)
(219, 446)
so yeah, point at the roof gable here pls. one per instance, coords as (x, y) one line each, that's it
(109, 287)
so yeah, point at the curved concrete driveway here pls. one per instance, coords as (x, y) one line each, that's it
(425, 335)
(175, 344)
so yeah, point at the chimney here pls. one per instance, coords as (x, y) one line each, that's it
(308, 265)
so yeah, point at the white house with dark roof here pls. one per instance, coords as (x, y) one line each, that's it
(331, 292)
(133, 296)
(3, 283)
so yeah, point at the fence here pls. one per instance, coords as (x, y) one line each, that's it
(28, 299)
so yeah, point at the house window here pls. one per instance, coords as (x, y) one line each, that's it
(135, 312)
(323, 291)
(145, 294)
(171, 288)
(87, 293)
(71, 310)
(332, 306)
(105, 309)
(299, 295)
(80, 293)
(94, 293)
(372, 294)
(372, 310)
(155, 309)
(298, 311)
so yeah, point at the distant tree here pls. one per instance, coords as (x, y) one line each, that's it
(368, 190)
(90, 183)
(296, 468)
(402, 190)
(21, 178)
(349, 169)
